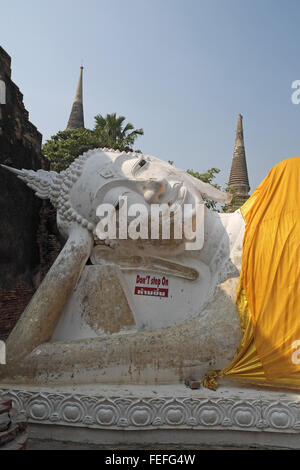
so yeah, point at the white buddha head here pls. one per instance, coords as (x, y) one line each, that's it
(107, 177)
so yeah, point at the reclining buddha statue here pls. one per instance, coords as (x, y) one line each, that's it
(126, 307)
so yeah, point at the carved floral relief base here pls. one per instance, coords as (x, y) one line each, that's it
(232, 409)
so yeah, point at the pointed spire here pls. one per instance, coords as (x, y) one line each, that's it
(239, 173)
(76, 120)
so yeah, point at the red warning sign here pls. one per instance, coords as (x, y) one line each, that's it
(152, 286)
(151, 291)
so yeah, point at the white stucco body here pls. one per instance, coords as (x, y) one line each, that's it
(164, 311)
(185, 299)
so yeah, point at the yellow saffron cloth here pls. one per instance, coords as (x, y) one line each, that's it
(268, 297)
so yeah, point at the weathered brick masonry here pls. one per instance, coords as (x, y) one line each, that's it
(29, 239)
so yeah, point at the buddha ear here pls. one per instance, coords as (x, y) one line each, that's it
(46, 184)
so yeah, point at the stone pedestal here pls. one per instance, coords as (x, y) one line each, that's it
(149, 415)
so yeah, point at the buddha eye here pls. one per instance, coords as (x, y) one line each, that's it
(142, 163)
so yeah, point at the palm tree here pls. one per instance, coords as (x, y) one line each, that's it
(113, 133)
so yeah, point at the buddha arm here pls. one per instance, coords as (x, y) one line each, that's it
(40, 317)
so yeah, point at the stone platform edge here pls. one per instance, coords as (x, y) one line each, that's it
(158, 408)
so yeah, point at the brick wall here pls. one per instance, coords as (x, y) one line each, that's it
(29, 240)
(12, 304)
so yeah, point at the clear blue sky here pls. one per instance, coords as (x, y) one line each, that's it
(180, 69)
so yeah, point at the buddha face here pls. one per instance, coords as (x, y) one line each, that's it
(106, 177)
(111, 178)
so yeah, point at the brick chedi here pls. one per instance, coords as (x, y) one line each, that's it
(239, 174)
(24, 220)
(20, 147)
(76, 120)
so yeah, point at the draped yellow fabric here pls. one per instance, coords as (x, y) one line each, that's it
(268, 297)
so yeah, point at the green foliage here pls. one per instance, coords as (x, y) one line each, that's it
(63, 147)
(207, 177)
(110, 132)
(113, 133)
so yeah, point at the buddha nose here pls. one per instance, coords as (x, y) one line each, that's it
(154, 189)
